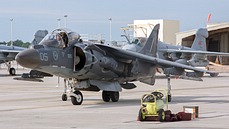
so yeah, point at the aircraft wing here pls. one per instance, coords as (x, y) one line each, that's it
(10, 51)
(209, 53)
(8, 54)
(119, 53)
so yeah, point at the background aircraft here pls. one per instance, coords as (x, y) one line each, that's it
(195, 56)
(7, 54)
(94, 67)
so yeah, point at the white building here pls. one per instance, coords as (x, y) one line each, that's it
(167, 32)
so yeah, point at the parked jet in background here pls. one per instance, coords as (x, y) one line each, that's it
(195, 56)
(95, 67)
(7, 54)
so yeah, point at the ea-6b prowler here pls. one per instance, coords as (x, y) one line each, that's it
(94, 67)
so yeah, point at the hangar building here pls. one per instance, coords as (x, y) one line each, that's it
(218, 40)
(169, 32)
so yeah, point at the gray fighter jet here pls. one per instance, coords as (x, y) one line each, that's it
(7, 54)
(94, 67)
(195, 56)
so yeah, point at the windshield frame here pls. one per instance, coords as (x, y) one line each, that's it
(52, 40)
(60, 38)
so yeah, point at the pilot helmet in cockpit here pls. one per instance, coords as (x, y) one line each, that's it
(60, 38)
(65, 39)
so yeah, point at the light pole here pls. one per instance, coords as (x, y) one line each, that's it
(110, 19)
(11, 32)
(58, 22)
(65, 24)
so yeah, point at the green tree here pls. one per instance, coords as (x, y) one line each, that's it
(18, 43)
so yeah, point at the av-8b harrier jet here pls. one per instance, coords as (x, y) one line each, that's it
(195, 56)
(94, 67)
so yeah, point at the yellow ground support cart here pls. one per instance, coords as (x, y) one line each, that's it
(152, 106)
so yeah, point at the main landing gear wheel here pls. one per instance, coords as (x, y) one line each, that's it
(12, 71)
(77, 98)
(64, 97)
(114, 96)
(105, 96)
(214, 74)
(110, 95)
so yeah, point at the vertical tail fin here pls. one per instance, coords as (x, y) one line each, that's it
(150, 47)
(199, 42)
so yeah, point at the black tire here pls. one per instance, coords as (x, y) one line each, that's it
(114, 96)
(169, 98)
(105, 96)
(64, 97)
(214, 74)
(12, 71)
(161, 115)
(140, 117)
(77, 100)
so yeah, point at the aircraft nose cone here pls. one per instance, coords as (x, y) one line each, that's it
(28, 58)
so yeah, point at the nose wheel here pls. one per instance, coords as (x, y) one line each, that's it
(77, 98)
(64, 97)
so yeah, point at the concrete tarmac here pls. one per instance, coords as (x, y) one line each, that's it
(38, 105)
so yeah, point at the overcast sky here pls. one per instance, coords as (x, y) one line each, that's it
(91, 16)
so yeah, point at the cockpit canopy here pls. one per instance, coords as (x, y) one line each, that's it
(60, 38)
(140, 41)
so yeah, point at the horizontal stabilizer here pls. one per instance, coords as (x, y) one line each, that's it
(208, 53)
(190, 78)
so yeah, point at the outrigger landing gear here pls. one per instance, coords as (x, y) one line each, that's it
(110, 95)
(169, 88)
(12, 71)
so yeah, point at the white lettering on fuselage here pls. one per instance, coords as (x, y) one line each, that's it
(44, 56)
(69, 55)
(63, 53)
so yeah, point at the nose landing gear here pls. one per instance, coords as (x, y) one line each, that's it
(76, 96)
